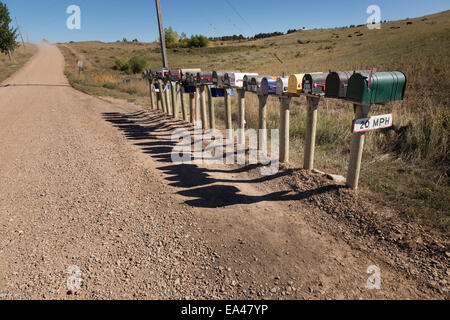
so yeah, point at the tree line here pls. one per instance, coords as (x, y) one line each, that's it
(8, 35)
(173, 40)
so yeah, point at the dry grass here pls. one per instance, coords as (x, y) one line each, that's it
(407, 165)
(21, 56)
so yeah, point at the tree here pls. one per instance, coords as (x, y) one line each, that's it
(7, 35)
(171, 38)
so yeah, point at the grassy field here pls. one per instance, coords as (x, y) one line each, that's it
(407, 165)
(21, 56)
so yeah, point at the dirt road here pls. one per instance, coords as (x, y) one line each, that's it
(88, 183)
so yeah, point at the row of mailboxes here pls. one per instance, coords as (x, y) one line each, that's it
(350, 85)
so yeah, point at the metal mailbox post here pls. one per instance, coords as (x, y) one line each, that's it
(380, 88)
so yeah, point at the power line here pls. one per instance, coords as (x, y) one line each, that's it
(240, 16)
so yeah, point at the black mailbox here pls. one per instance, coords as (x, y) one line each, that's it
(314, 83)
(246, 83)
(204, 77)
(337, 83)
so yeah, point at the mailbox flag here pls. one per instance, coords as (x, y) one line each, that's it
(372, 72)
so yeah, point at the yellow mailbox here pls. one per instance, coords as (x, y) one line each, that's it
(295, 83)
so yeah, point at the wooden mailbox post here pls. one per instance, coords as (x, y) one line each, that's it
(310, 138)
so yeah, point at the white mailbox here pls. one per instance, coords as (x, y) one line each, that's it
(236, 79)
(282, 85)
(217, 77)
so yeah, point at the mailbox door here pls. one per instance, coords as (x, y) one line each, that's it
(246, 83)
(268, 85)
(315, 83)
(337, 83)
(282, 85)
(174, 75)
(204, 77)
(384, 87)
(295, 83)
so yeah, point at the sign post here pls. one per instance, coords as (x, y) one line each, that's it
(356, 149)
(80, 66)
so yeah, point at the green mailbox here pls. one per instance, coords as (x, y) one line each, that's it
(384, 87)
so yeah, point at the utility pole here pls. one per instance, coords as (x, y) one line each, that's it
(162, 35)
(20, 32)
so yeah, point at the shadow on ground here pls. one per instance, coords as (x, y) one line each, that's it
(152, 132)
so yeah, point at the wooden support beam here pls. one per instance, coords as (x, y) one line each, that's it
(241, 101)
(203, 113)
(356, 149)
(262, 122)
(192, 107)
(212, 111)
(173, 91)
(152, 101)
(228, 119)
(161, 96)
(284, 129)
(166, 96)
(310, 138)
(183, 105)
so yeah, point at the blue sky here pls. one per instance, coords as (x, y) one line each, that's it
(111, 20)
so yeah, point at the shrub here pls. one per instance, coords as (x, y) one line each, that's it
(121, 65)
(137, 64)
(110, 85)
